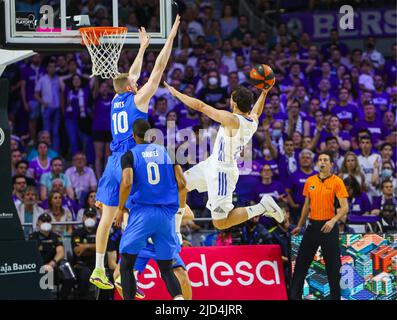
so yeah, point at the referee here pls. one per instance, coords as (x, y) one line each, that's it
(322, 230)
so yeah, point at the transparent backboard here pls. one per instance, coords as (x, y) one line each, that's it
(54, 24)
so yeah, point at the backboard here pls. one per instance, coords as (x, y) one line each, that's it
(52, 25)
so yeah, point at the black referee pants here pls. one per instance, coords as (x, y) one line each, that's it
(329, 242)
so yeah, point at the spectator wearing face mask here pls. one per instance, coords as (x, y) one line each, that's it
(212, 93)
(51, 249)
(383, 172)
(83, 245)
(385, 207)
(28, 210)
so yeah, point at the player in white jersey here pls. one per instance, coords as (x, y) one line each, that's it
(218, 175)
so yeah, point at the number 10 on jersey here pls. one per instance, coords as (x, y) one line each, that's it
(120, 122)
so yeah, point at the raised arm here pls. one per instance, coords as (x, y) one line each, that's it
(226, 118)
(257, 110)
(144, 95)
(135, 70)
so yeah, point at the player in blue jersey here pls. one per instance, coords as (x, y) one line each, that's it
(128, 105)
(150, 183)
(148, 253)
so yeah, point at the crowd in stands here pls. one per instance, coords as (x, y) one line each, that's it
(327, 97)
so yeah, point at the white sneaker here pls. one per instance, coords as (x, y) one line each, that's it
(272, 208)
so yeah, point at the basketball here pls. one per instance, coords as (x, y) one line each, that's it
(262, 76)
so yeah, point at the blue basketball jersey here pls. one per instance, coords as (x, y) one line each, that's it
(123, 115)
(154, 178)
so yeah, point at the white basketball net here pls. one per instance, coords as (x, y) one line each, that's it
(104, 48)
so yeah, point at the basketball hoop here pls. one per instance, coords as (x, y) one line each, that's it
(104, 45)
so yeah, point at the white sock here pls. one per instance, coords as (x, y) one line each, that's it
(255, 210)
(99, 261)
(179, 298)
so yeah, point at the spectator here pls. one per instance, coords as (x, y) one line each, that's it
(387, 154)
(28, 210)
(359, 204)
(390, 67)
(83, 245)
(40, 164)
(67, 202)
(386, 173)
(52, 252)
(380, 97)
(295, 119)
(16, 156)
(372, 54)
(368, 160)
(309, 122)
(254, 233)
(385, 207)
(29, 77)
(73, 104)
(238, 33)
(19, 187)
(351, 167)
(228, 21)
(21, 169)
(346, 112)
(82, 178)
(335, 43)
(43, 136)
(47, 92)
(229, 57)
(296, 181)
(89, 203)
(372, 123)
(270, 187)
(212, 93)
(59, 213)
(332, 146)
(55, 173)
(287, 162)
(101, 125)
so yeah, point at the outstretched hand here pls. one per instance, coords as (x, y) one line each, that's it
(175, 27)
(144, 38)
(171, 89)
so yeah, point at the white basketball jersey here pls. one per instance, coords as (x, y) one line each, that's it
(227, 149)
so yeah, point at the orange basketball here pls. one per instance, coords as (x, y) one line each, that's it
(262, 76)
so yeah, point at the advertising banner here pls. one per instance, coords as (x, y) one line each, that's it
(225, 273)
(368, 272)
(377, 23)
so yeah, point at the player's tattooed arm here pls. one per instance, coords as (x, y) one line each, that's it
(226, 118)
(135, 70)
